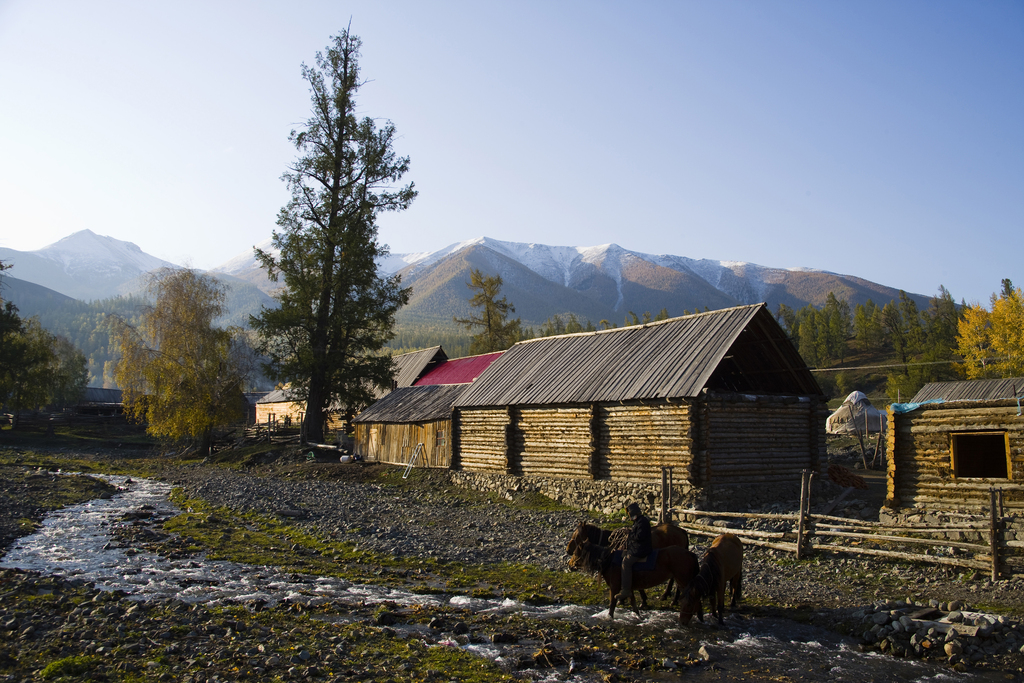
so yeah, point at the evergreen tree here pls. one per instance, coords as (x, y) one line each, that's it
(498, 332)
(868, 329)
(336, 312)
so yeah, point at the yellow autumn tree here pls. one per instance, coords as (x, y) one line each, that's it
(178, 372)
(973, 343)
(1007, 331)
(992, 343)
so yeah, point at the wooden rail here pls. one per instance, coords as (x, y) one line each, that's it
(803, 532)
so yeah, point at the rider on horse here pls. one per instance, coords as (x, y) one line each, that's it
(638, 547)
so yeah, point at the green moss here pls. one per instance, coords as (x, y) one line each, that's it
(261, 539)
(78, 665)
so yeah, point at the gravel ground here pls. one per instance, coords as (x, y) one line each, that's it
(424, 516)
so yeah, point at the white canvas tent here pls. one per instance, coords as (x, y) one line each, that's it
(856, 415)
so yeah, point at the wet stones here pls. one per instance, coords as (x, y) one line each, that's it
(907, 630)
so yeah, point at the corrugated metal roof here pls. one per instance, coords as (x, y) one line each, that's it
(279, 396)
(971, 390)
(410, 366)
(458, 370)
(741, 349)
(414, 404)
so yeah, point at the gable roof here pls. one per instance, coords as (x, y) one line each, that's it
(741, 349)
(414, 404)
(971, 390)
(458, 370)
(279, 396)
(410, 366)
(100, 395)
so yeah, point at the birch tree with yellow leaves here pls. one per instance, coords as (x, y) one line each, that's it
(179, 372)
(992, 342)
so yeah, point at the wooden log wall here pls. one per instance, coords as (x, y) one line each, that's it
(919, 466)
(551, 442)
(758, 440)
(481, 436)
(633, 442)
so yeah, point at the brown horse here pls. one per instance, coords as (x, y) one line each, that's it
(673, 562)
(662, 536)
(721, 564)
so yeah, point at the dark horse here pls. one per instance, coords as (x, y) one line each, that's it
(662, 536)
(721, 564)
(672, 562)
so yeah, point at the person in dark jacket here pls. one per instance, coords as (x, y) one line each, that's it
(638, 547)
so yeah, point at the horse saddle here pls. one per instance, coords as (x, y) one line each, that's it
(646, 566)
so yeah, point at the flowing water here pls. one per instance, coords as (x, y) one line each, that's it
(76, 542)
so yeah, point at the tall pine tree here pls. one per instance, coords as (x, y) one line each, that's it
(336, 311)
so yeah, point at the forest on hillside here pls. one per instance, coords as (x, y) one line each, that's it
(887, 350)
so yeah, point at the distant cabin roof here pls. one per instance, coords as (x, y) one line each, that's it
(278, 396)
(971, 390)
(741, 349)
(414, 404)
(99, 395)
(458, 370)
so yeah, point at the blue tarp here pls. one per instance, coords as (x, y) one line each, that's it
(900, 408)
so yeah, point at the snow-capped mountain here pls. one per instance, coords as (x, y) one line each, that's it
(83, 265)
(596, 282)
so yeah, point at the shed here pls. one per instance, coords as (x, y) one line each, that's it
(722, 397)
(279, 407)
(954, 442)
(390, 429)
(100, 401)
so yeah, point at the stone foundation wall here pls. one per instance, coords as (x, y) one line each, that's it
(1013, 532)
(609, 497)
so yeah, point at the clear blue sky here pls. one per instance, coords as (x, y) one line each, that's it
(878, 139)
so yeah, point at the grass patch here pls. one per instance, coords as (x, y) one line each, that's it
(74, 666)
(260, 539)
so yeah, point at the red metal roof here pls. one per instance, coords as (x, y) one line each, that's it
(458, 370)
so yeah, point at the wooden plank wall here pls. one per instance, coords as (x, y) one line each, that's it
(551, 442)
(919, 467)
(481, 435)
(394, 442)
(758, 440)
(295, 409)
(633, 442)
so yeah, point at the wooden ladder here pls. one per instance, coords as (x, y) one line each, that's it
(417, 452)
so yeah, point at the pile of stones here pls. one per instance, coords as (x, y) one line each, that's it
(938, 630)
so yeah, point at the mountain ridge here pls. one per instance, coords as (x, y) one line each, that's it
(601, 282)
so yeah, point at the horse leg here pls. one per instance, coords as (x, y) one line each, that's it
(632, 602)
(737, 588)
(612, 602)
(668, 590)
(719, 595)
(643, 599)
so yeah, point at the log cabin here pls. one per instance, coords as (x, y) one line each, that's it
(721, 397)
(953, 442)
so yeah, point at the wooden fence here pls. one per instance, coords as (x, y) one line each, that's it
(985, 547)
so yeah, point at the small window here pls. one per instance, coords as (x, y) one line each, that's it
(980, 455)
(439, 439)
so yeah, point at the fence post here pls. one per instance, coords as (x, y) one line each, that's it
(993, 530)
(665, 515)
(800, 524)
